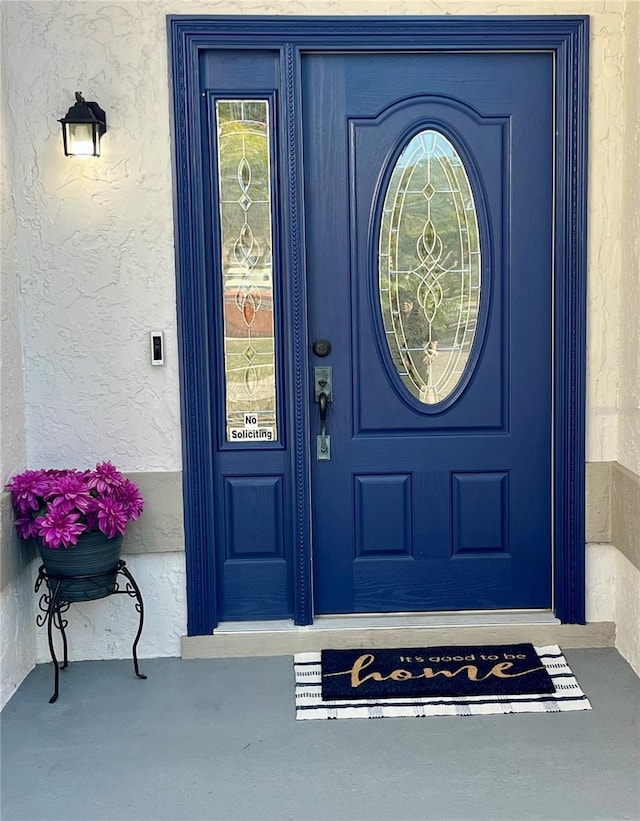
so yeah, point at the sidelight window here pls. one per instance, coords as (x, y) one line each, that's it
(246, 241)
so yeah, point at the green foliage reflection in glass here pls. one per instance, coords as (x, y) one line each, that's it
(246, 241)
(429, 266)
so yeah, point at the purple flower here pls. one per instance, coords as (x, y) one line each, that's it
(112, 518)
(26, 490)
(27, 526)
(91, 515)
(71, 490)
(59, 505)
(104, 478)
(59, 527)
(132, 501)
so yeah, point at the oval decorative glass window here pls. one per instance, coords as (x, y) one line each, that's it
(429, 267)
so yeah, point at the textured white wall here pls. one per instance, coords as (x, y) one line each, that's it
(629, 356)
(95, 238)
(627, 610)
(12, 432)
(613, 594)
(17, 631)
(628, 404)
(600, 582)
(105, 629)
(17, 635)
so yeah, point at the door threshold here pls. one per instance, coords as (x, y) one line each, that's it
(284, 638)
(383, 621)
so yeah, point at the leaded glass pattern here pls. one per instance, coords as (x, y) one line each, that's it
(429, 266)
(245, 206)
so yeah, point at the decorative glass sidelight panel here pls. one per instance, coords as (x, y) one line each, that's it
(429, 267)
(246, 240)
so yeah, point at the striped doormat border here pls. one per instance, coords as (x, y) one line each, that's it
(309, 704)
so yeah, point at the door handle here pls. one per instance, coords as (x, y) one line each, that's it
(322, 405)
(322, 378)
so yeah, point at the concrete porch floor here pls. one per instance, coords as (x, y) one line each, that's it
(217, 739)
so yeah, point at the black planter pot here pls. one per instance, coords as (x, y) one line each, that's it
(88, 569)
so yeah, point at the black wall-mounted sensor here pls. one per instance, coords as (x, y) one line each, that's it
(157, 347)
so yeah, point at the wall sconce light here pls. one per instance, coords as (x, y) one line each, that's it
(82, 128)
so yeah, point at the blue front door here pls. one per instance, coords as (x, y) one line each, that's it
(412, 190)
(428, 203)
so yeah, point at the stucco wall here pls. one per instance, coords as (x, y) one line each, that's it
(626, 507)
(17, 631)
(94, 238)
(629, 355)
(106, 629)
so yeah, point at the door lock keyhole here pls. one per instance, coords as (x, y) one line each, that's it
(322, 347)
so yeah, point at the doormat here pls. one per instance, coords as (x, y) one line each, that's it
(435, 671)
(369, 682)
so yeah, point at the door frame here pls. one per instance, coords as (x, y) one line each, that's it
(567, 37)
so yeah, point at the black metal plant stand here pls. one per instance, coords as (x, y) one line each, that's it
(53, 605)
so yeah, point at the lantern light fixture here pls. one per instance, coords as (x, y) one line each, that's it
(82, 128)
